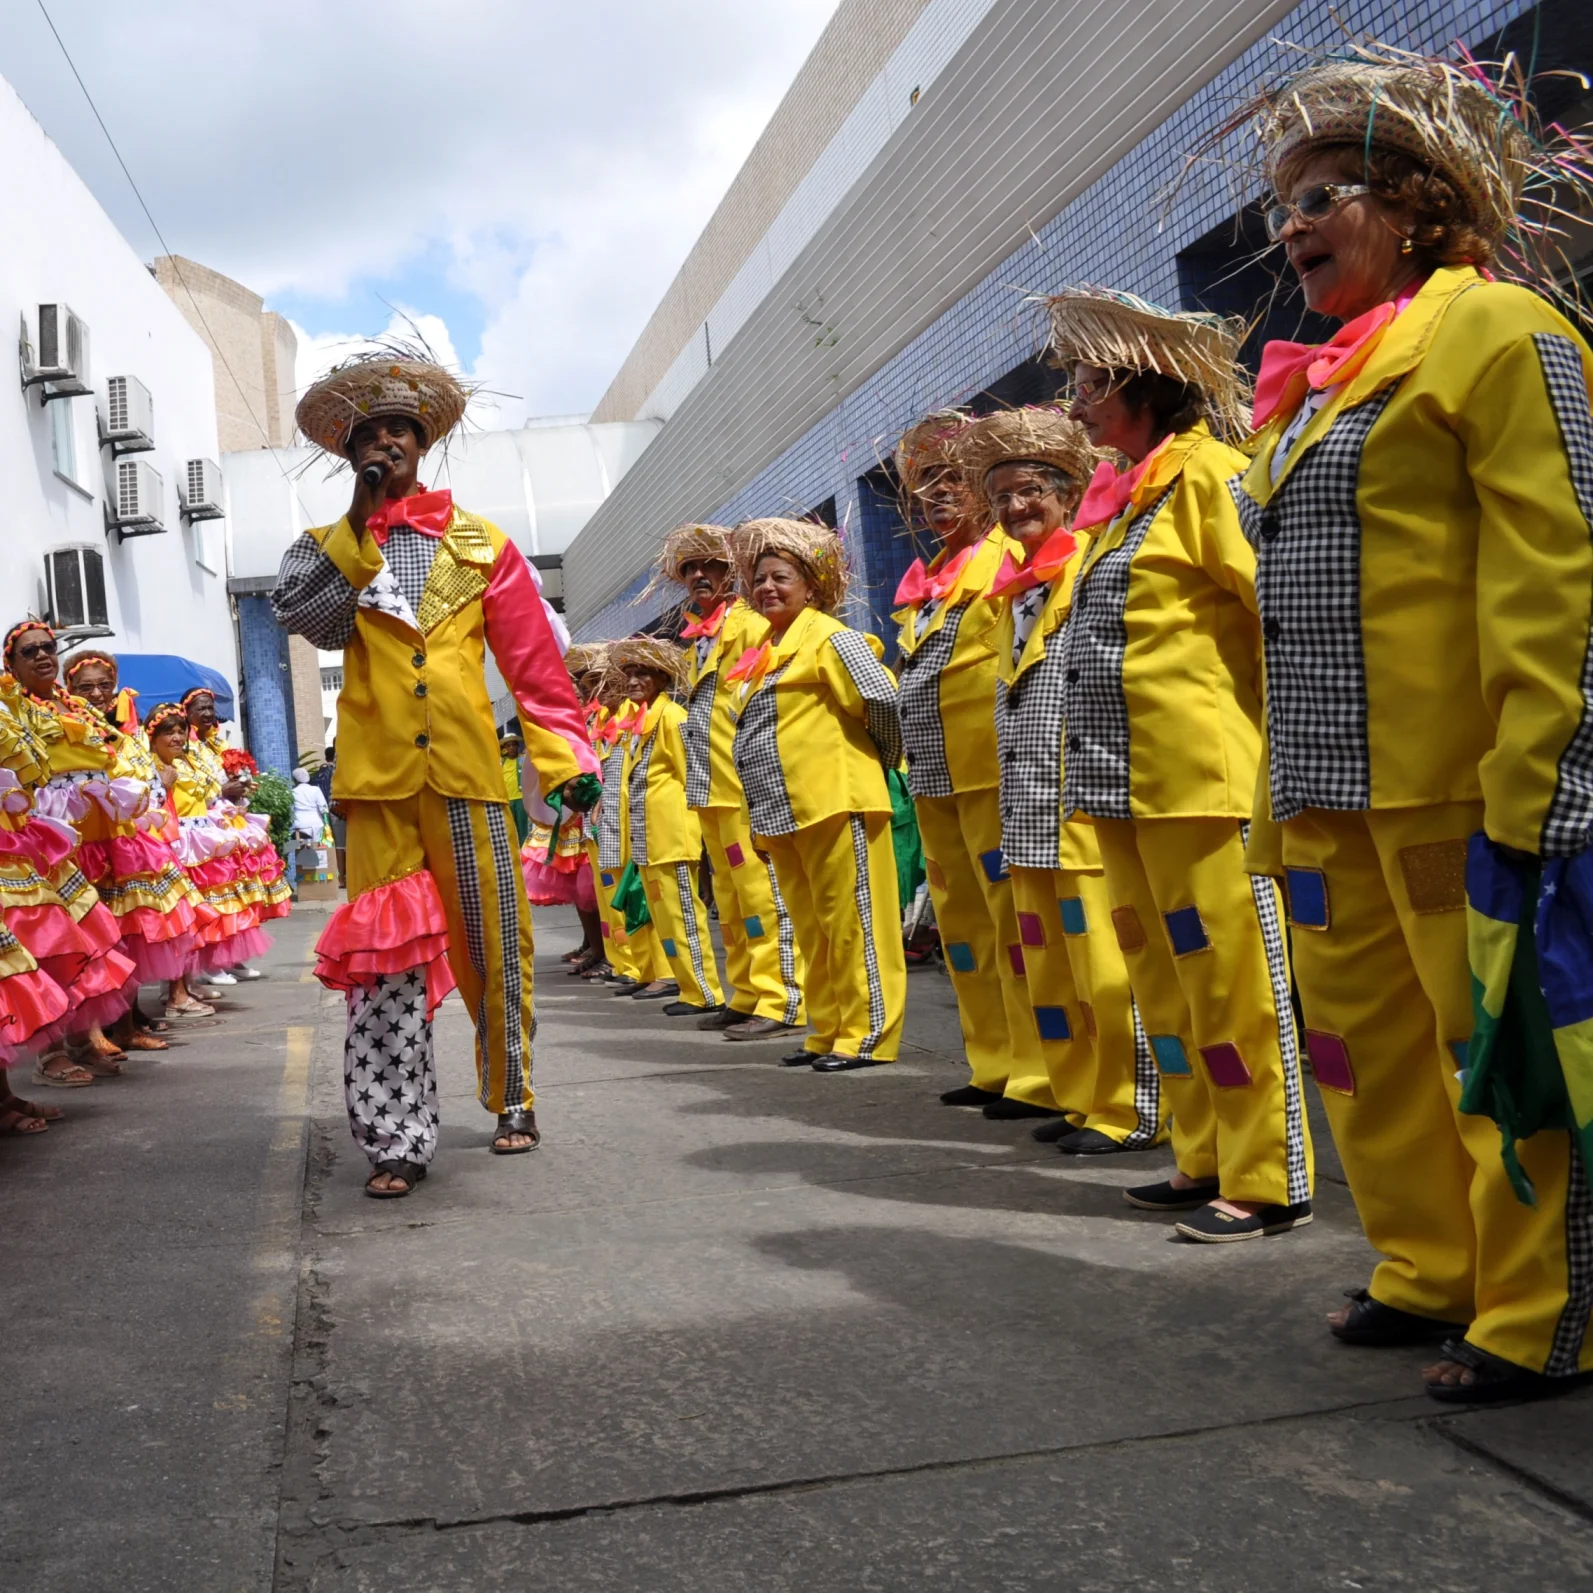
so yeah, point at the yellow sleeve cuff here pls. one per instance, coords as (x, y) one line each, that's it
(355, 554)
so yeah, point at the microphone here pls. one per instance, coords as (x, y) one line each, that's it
(374, 474)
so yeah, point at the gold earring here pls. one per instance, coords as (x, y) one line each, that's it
(1406, 246)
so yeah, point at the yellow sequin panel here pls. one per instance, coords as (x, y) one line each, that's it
(458, 572)
(1435, 876)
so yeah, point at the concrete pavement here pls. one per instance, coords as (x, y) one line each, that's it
(732, 1327)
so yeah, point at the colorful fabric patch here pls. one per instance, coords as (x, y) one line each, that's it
(1031, 930)
(608, 879)
(1435, 876)
(1305, 890)
(934, 873)
(669, 946)
(1225, 1065)
(1330, 1061)
(1186, 932)
(607, 932)
(995, 865)
(734, 856)
(1073, 919)
(1015, 957)
(1088, 1013)
(960, 955)
(1052, 1022)
(1171, 1058)
(753, 927)
(1130, 931)
(655, 891)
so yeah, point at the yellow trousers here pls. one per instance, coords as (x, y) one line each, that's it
(1099, 1066)
(681, 924)
(616, 943)
(972, 893)
(838, 878)
(469, 849)
(1207, 959)
(1377, 903)
(762, 965)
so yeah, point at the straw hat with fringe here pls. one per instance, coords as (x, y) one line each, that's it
(382, 383)
(702, 542)
(1472, 122)
(815, 550)
(587, 658)
(1121, 332)
(929, 448)
(1034, 434)
(650, 652)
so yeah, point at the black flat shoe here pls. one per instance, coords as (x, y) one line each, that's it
(622, 987)
(969, 1095)
(1163, 1197)
(1052, 1130)
(800, 1059)
(1213, 1226)
(515, 1123)
(684, 1009)
(1371, 1322)
(721, 1017)
(1496, 1379)
(668, 993)
(761, 1029)
(1092, 1142)
(1008, 1110)
(846, 1064)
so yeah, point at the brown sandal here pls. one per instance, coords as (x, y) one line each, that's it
(15, 1103)
(15, 1122)
(147, 1042)
(71, 1077)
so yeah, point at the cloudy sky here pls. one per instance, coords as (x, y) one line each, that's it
(530, 174)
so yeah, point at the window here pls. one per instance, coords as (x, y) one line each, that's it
(63, 440)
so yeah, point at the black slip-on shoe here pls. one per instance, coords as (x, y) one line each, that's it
(761, 1029)
(668, 993)
(969, 1095)
(1213, 1226)
(846, 1064)
(1052, 1130)
(721, 1017)
(1092, 1142)
(685, 1009)
(800, 1059)
(1163, 1197)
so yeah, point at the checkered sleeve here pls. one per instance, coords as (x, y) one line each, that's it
(873, 684)
(313, 598)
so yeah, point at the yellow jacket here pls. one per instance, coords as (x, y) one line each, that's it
(816, 727)
(1425, 573)
(711, 778)
(948, 678)
(613, 811)
(1029, 699)
(414, 710)
(1163, 649)
(662, 828)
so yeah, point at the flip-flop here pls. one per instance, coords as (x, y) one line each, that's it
(194, 1009)
(147, 1042)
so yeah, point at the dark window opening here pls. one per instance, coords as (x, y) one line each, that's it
(821, 514)
(1033, 382)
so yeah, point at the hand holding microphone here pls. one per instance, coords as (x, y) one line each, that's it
(370, 482)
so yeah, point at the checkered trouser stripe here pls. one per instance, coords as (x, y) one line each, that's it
(918, 703)
(505, 864)
(1265, 893)
(313, 598)
(1308, 586)
(409, 554)
(757, 757)
(687, 895)
(638, 800)
(787, 945)
(1571, 1329)
(878, 691)
(864, 894)
(1095, 644)
(1147, 1088)
(609, 850)
(1568, 825)
(389, 1069)
(697, 732)
(1029, 735)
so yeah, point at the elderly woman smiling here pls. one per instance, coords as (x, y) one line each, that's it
(1420, 502)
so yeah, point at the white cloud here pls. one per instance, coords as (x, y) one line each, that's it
(555, 161)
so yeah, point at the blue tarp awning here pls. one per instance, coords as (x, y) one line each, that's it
(167, 677)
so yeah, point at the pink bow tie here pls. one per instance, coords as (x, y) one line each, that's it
(920, 586)
(427, 512)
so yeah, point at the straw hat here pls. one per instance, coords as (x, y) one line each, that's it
(814, 549)
(702, 542)
(1122, 332)
(1035, 434)
(650, 652)
(585, 658)
(928, 448)
(371, 385)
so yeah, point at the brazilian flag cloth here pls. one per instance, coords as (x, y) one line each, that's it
(1529, 933)
(630, 899)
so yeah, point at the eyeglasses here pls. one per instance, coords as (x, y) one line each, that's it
(1317, 203)
(38, 650)
(1024, 492)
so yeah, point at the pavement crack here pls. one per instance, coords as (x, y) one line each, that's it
(1451, 1429)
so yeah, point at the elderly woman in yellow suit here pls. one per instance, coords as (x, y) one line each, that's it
(1421, 505)
(1163, 706)
(816, 730)
(947, 689)
(665, 836)
(1028, 467)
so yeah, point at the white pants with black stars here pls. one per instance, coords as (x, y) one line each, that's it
(389, 1073)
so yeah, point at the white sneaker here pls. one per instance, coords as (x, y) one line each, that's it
(220, 977)
(241, 970)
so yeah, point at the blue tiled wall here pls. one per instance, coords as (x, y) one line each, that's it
(267, 685)
(1121, 231)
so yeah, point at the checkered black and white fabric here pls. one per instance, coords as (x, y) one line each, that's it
(638, 800)
(1568, 825)
(878, 691)
(756, 752)
(1029, 723)
(389, 1069)
(1095, 642)
(1147, 1089)
(1027, 607)
(918, 704)
(409, 554)
(1308, 587)
(863, 893)
(609, 849)
(786, 941)
(313, 598)
(696, 732)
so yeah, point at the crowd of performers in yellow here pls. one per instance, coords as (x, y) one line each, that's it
(1209, 700)
(128, 857)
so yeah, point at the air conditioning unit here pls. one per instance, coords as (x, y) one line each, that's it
(75, 581)
(200, 490)
(128, 422)
(139, 500)
(59, 359)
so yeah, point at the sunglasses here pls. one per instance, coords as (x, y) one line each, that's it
(1317, 203)
(38, 650)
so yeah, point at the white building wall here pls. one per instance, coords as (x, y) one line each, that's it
(165, 593)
